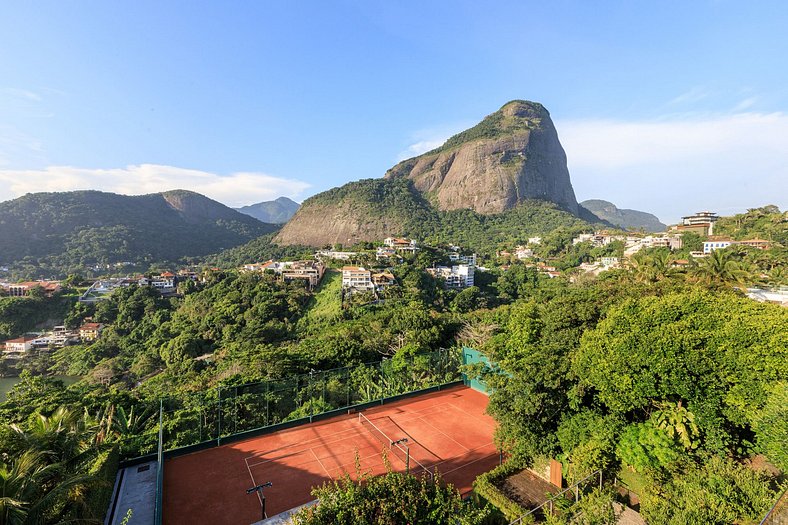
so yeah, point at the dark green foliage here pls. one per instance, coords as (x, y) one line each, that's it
(257, 250)
(22, 314)
(45, 234)
(767, 222)
(771, 426)
(717, 492)
(389, 499)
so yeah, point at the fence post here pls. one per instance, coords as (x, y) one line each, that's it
(347, 382)
(267, 390)
(219, 423)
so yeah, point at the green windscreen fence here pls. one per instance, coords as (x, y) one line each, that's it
(475, 365)
(222, 412)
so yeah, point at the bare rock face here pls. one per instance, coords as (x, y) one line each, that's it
(512, 155)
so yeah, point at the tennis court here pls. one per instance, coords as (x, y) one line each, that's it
(446, 430)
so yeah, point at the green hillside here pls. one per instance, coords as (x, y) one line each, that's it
(45, 234)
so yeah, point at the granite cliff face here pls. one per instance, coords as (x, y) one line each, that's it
(511, 156)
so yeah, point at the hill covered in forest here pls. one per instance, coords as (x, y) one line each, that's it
(53, 233)
(622, 217)
(277, 211)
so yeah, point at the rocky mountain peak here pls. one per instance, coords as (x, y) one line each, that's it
(511, 156)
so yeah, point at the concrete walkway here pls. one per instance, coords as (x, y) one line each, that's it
(137, 491)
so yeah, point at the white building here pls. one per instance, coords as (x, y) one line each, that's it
(333, 254)
(609, 262)
(523, 253)
(401, 244)
(716, 244)
(463, 259)
(20, 345)
(357, 278)
(534, 240)
(459, 276)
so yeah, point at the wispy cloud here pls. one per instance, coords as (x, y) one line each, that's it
(696, 94)
(422, 146)
(24, 94)
(235, 189)
(19, 146)
(428, 139)
(680, 164)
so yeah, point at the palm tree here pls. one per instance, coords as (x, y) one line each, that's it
(653, 267)
(19, 486)
(720, 266)
(64, 435)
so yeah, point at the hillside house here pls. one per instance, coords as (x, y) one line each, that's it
(385, 252)
(382, 279)
(761, 244)
(458, 277)
(357, 278)
(310, 271)
(333, 254)
(609, 262)
(260, 267)
(22, 289)
(523, 253)
(717, 243)
(61, 336)
(20, 345)
(89, 332)
(401, 244)
(701, 223)
(470, 260)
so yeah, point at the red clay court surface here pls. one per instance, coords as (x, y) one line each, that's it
(447, 430)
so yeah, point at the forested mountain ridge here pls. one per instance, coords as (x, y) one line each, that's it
(372, 209)
(509, 161)
(277, 211)
(59, 231)
(622, 217)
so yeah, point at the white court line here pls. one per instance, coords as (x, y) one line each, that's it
(445, 434)
(285, 447)
(254, 484)
(465, 464)
(321, 463)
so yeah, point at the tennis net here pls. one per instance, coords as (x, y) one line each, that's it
(397, 447)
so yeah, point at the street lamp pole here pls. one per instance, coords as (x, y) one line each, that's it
(259, 490)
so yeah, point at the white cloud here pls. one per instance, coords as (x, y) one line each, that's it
(678, 165)
(428, 139)
(692, 96)
(235, 189)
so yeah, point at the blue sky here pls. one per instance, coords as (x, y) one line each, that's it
(668, 107)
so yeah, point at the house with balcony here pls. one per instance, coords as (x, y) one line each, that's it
(309, 271)
(20, 345)
(22, 289)
(401, 244)
(716, 243)
(90, 332)
(457, 277)
(357, 279)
